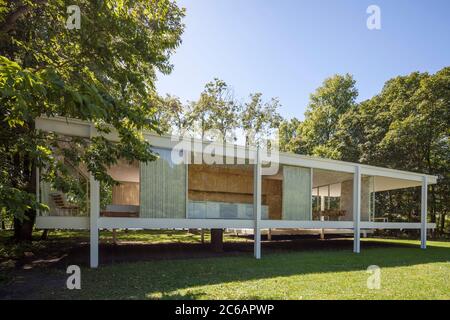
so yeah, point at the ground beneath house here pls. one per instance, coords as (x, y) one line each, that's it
(38, 270)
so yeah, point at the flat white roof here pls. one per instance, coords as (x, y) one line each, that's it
(391, 178)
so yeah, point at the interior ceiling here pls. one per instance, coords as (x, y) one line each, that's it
(129, 172)
(327, 177)
(386, 183)
(334, 179)
(125, 171)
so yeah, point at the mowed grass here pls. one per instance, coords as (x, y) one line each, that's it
(407, 272)
(153, 236)
(64, 239)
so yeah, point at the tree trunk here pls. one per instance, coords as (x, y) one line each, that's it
(23, 229)
(44, 235)
(9, 22)
(217, 240)
(433, 204)
(443, 223)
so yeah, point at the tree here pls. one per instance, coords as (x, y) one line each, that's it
(103, 73)
(404, 127)
(418, 135)
(330, 101)
(258, 118)
(217, 109)
(174, 116)
(290, 136)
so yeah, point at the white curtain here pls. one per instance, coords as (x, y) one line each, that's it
(296, 193)
(163, 187)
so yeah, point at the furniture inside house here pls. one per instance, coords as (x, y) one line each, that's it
(61, 206)
(329, 214)
(223, 210)
(120, 211)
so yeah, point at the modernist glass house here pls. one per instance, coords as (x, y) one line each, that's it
(300, 193)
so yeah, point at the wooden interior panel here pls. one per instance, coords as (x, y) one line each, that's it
(232, 183)
(126, 193)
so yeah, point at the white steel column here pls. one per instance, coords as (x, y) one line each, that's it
(423, 215)
(329, 197)
(38, 191)
(257, 204)
(356, 209)
(94, 214)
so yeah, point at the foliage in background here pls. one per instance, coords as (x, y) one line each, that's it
(259, 119)
(406, 127)
(105, 73)
(218, 113)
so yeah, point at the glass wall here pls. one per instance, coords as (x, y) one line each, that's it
(65, 197)
(222, 191)
(367, 198)
(332, 195)
(121, 200)
(272, 192)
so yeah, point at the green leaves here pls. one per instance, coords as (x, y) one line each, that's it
(259, 118)
(103, 73)
(328, 104)
(406, 126)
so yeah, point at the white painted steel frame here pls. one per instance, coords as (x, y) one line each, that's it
(83, 223)
(93, 220)
(60, 222)
(356, 209)
(423, 214)
(94, 214)
(82, 129)
(257, 188)
(79, 128)
(159, 223)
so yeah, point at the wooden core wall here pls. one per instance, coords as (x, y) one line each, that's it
(126, 193)
(232, 183)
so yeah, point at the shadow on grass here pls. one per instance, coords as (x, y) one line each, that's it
(166, 278)
(160, 271)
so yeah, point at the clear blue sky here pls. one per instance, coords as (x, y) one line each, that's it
(287, 48)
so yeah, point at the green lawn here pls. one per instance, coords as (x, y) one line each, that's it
(407, 272)
(62, 239)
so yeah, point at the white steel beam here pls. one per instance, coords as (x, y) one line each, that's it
(167, 223)
(61, 222)
(423, 216)
(257, 204)
(357, 209)
(93, 219)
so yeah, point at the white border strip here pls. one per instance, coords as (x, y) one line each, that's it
(286, 224)
(150, 223)
(82, 128)
(394, 225)
(52, 222)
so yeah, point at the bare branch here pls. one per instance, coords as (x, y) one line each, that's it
(10, 21)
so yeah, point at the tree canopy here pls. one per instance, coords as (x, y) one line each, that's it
(103, 72)
(406, 126)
